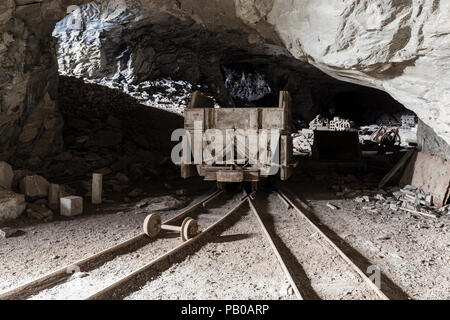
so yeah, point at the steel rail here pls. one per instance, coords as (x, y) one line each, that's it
(109, 291)
(60, 275)
(277, 253)
(355, 268)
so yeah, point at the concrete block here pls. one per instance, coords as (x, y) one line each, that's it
(71, 206)
(6, 175)
(97, 179)
(12, 205)
(34, 187)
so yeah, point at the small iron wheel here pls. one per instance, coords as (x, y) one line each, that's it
(189, 229)
(152, 225)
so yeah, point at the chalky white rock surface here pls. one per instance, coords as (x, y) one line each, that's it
(401, 47)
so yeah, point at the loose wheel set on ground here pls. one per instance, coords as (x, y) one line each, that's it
(153, 226)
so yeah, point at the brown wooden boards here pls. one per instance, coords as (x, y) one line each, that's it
(429, 173)
(199, 100)
(395, 169)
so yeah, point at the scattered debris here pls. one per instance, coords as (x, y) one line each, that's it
(444, 209)
(79, 275)
(386, 136)
(337, 124)
(408, 120)
(8, 232)
(166, 203)
(431, 174)
(39, 212)
(362, 199)
(286, 290)
(412, 200)
(303, 140)
(331, 206)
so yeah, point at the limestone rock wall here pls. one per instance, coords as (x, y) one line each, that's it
(30, 123)
(401, 47)
(122, 43)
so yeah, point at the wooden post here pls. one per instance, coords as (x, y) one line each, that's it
(97, 180)
(53, 196)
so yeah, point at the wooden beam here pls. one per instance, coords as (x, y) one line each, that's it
(395, 169)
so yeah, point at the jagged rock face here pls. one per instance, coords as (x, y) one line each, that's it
(125, 41)
(399, 46)
(123, 45)
(30, 123)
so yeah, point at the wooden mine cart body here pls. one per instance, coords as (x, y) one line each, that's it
(201, 115)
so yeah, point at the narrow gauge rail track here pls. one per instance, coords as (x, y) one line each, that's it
(116, 290)
(326, 239)
(277, 253)
(89, 263)
(120, 288)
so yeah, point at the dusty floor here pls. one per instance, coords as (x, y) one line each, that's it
(412, 252)
(44, 247)
(95, 280)
(317, 270)
(239, 264)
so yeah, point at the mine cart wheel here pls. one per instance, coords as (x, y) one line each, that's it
(152, 225)
(189, 229)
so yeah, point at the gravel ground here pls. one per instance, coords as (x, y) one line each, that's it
(81, 286)
(412, 252)
(45, 247)
(238, 264)
(319, 272)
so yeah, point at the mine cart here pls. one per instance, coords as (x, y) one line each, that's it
(235, 145)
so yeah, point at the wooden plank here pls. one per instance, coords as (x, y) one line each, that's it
(230, 176)
(395, 169)
(431, 174)
(187, 171)
(199, 100)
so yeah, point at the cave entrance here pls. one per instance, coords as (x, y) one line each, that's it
(124, 102)
(357, 108)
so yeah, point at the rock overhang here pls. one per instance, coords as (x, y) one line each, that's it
(400, 47)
